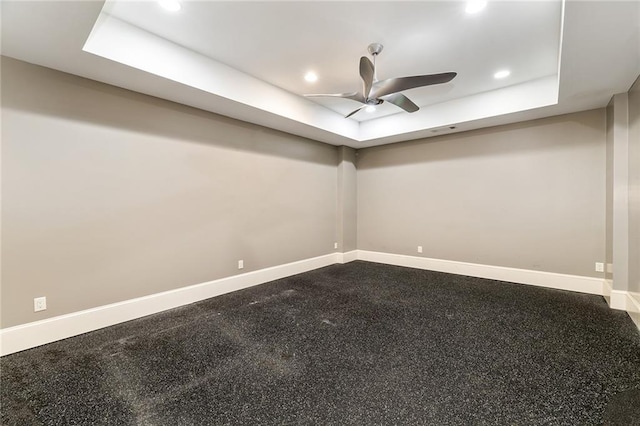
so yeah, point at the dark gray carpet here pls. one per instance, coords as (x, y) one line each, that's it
(360, 343)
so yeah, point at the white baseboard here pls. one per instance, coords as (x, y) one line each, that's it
(522, 276)
(627, 301)
(30, 335)
(607, 287)
(348, 256)
(622, 300)
(618, 300)
(632, 306)
(633, 301)
(21, 337)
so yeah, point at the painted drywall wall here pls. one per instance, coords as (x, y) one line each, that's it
(634, 187)
(110, 195)
(529, 195)
(618, 167)
(347, 199)
(609, 196)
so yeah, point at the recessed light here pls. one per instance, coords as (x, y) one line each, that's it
(475, 6)
(502, 74)
(170, 5)
(311, 77)
(370, 108)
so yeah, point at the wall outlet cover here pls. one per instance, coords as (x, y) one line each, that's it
(39, 304)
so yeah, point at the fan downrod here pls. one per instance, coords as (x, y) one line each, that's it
(375, 48)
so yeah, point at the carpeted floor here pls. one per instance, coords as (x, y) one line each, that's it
(360, 343)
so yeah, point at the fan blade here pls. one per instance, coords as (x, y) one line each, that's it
(353, 112)
(400, 100)
(395, 85)
(354, 96)
(366, 72)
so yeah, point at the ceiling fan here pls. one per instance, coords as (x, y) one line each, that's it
(375, 92)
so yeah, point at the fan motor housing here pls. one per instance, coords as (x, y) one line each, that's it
(375, 48)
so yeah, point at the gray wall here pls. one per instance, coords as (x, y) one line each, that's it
(609, 195)
(110, 195)
(529, 195)
(634, 187)
(347, 199)
(618, 194)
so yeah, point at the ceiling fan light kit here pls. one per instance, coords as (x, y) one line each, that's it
(375, 92)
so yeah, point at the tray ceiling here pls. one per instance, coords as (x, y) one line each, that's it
(247, 60)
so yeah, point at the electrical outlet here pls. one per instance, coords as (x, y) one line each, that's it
(335, 245)
(419, 249)
(240, 264)
(599, 267)
(39, 304)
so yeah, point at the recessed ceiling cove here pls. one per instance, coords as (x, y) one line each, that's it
(254, 61)
(258, 54)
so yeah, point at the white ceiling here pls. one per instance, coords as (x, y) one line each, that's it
(419, 38)
(247, 59)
